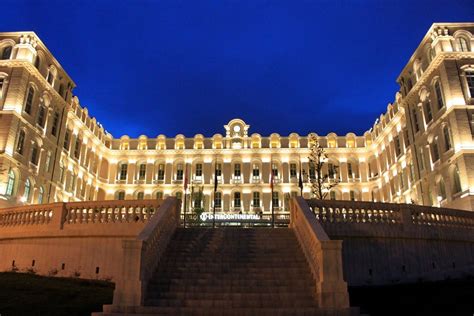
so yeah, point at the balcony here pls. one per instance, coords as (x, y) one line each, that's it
(256, 179)
(177, 181)
(236, 180)
(159, 181)
(139, 181)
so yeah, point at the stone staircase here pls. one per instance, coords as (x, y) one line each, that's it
(231, 271)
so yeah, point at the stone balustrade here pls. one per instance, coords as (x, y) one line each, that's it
(323, 256)
(142, 255)
(111, 211)
(330, 211)
(387, 243)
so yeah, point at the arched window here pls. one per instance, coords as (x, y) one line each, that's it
(21, 142)
(352, 195)
(435, 150)
(26, 194)
(40, 195)
(159, 195)
(7, 51)
(463, 45)
(10, 183)
(140, 195)
(456, 181)
(447, 138)
(29, 100)
(332, 195)
(120, 195)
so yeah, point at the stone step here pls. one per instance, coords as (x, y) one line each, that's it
(227, 288)
(226, 311)
(233, 296)
(216, 303)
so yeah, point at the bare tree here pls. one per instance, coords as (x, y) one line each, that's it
(321, 183)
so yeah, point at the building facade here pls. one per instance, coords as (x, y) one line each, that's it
(420, 151)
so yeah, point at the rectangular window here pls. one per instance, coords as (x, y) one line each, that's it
(237, 199)
(123, 171)
(198, 170)
(422, 159)
(161, 171)
(54, 127)
(416, 123)
(398, 147)
(256, 199)
(255, 171)
(312, 171)
(29, 100)
(218, 199)
(34, 155)
(179, 171)
(293, 172)
(237, 170)
(21, 142)
(41, 116)
(470, 82)
(439, 94)
(142, 172)
(275, 201)
(61, 173)
(435, 150)
(73, 183)
(428, 112)
(275, 170)
(331, 171)
(48, 161)
(77, 148)
(218, 169)
(67, 139)
(406, 138)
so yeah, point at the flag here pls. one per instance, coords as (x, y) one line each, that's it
(215, 178)
(300, 181)
(271, 177)
(185, 178)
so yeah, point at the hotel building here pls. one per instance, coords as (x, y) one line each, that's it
(420, 151)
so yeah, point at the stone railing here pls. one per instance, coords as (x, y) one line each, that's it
(141, 255)
(34, 216)
(352, 212)
(323, 256)
(111, 211)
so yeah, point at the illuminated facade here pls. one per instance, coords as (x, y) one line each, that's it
(421, 150)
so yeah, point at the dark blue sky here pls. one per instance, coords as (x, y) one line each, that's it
(152, 67)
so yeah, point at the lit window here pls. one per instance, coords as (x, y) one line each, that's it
(275, 170)
(40, 195)
(332, 195)
(10, 183)
(256, 172)
(352, 195)
(435, 150)
(456, 181)
(179, 195)
(398, 147)
(26, 194)
(442, 189)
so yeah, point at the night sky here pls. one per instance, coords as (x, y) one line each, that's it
(169, 67)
